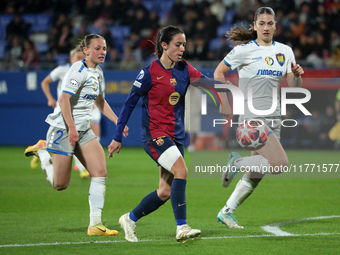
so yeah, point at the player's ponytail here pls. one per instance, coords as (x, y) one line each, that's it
(165, 35)
(240, 35)
(87, 41)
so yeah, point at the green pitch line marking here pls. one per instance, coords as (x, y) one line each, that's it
(274, 228)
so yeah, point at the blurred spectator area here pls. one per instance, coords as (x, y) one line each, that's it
(311, 28)
(39, 25)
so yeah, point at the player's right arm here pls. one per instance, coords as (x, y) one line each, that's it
(65, 106)
(124, 116)
(73, 80)
(221, 70)
(45, 85)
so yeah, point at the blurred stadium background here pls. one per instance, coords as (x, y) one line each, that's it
(51, 222)
(36, 36)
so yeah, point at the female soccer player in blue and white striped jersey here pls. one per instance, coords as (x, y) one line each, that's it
(255, 53)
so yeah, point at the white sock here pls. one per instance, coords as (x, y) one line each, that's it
(46, 165)
(78, 163)
(96, 199)
(241, 192)
(255, 164)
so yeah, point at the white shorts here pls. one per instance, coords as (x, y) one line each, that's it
(57, 140)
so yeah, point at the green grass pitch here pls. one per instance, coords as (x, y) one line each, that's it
(36, 219)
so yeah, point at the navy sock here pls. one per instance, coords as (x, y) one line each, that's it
(179, 205)
(149, 203)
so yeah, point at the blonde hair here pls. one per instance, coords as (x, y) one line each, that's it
(74, 51)
(87, 41)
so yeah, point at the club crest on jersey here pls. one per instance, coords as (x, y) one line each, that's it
(99, 81)
(173, 82)
(159, 141)
(269, 61)
(174, 98)
(95, 86)
(280, 58)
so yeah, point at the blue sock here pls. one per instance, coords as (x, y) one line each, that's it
(149, 203)
(179, 205)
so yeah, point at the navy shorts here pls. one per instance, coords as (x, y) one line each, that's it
(156, 147)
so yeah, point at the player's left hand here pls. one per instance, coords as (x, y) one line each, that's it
(126, 131)
(297, 70)
(114, 146)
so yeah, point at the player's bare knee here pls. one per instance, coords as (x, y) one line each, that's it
(181, 173)
(164, 195)
(60, 187)
(98, 173)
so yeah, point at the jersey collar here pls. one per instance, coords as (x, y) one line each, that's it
(85, 63)
(159, 62)
(260, 45)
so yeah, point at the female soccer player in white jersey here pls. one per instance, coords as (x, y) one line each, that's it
(57, 74)
(261, 64)
(70, 131)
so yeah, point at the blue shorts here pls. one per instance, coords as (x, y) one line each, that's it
(155, 148)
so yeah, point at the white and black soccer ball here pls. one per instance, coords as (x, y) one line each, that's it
(252, 135)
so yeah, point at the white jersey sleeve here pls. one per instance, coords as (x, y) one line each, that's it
(73, 79)
(234, 58)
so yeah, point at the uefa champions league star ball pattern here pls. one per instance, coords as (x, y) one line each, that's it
(252, 135)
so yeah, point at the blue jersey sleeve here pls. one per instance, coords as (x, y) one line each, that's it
(141, 87)
(142, 84)
(124, 115)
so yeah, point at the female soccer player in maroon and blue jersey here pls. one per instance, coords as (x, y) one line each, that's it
(162, 86)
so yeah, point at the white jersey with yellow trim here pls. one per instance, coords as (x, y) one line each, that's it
(260, 70)
(84, 84)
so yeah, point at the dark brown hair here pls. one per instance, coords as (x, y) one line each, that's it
(240, 35)
(165, 35)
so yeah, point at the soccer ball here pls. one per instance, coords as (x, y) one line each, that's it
(252, 135)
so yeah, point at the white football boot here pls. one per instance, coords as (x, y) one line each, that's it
(185, 232)
(228, 219)
(129, 228)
